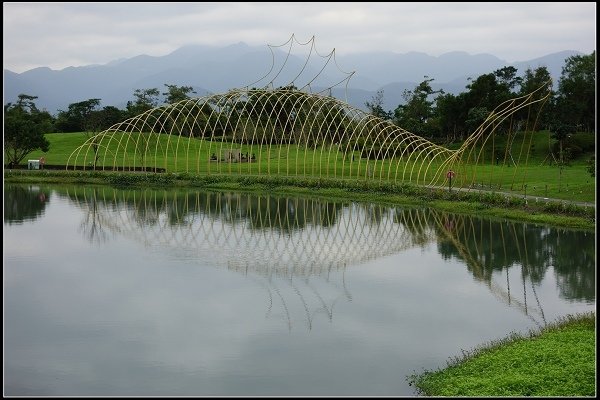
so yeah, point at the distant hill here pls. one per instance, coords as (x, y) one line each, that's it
(218, 69)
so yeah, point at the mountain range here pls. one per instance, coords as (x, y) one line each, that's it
(217, 69)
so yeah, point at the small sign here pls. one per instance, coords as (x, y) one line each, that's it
(450, 174)
(33, 164)
(42, 160)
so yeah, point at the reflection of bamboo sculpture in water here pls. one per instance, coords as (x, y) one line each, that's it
(263, 235)
(94, 220)
(292, 131)
(461, 232)
(303, 243)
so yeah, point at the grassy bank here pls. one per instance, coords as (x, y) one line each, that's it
(558, 360)
(489, 204)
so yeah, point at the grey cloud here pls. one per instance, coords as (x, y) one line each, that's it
(63, 34)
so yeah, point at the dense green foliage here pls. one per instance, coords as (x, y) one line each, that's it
(576, 101)
(557, 361)
(81, 116)
(490, 204)
(176, 93)
(87, 116)
(24, 129)
(448, 117)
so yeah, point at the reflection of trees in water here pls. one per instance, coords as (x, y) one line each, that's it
(487, 248)
(292, 243)
(494, 246)
(574, 262)
(22, 203)
(490, 247)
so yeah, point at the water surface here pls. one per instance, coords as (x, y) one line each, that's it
(174, 292)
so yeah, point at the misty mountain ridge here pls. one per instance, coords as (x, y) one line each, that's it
(218, 69)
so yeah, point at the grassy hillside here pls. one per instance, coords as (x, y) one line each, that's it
(537, 175)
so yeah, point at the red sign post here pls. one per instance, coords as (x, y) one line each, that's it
(450, 174)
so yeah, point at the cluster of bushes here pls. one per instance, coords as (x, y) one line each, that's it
(576, 145)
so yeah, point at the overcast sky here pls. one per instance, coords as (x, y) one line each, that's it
(58, 35)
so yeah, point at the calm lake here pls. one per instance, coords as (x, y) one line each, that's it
(113, 292)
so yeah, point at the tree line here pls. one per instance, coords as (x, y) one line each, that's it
(438, 116)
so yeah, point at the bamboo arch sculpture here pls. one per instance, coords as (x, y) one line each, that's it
(293, 132)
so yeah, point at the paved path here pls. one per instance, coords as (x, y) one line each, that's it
(521, 195)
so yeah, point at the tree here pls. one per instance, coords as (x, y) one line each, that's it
(176, 93)
(591, 166)
(24, 129)
(415, 116)
(107, 117)
(475, 117)
(486, 91)
(576, 101)
(78, 117)
(450, 112)
(375, 106)
(82, 116)
(533, 80)
(22, 203)
(562, 132)
(145, 99)
(507, 76)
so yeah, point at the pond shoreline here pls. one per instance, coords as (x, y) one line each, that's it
(492, 204)
(532, 365)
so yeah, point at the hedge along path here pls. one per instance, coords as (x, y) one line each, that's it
(293, 132)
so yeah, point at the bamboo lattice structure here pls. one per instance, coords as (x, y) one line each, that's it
(291, 131)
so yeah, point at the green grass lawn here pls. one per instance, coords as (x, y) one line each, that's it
(559, 360)
(534, 177)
